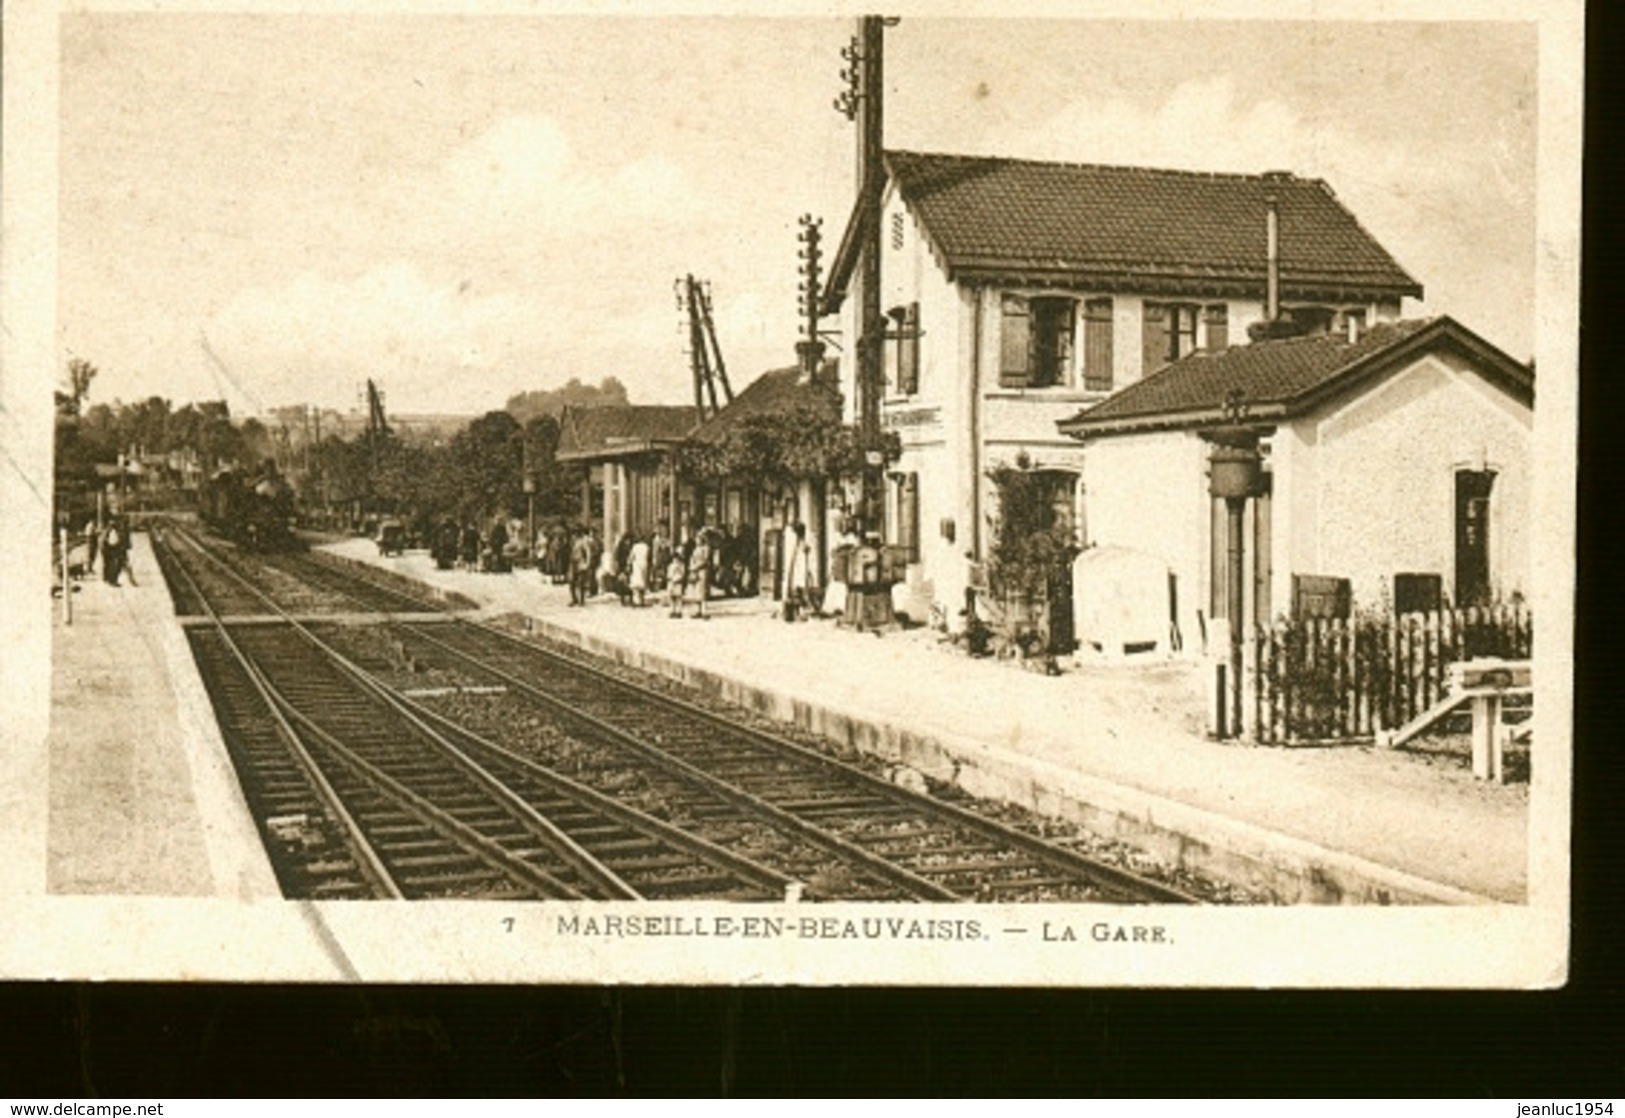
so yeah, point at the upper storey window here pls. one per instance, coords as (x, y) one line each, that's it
(1036, 341)
(1169, 333)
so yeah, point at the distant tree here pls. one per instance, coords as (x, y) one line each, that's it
(488, 462)
(573, 394)
(557, 484)
(80, 374)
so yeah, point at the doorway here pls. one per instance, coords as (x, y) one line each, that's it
(1473, 536)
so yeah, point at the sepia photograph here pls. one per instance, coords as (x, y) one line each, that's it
(948, 496)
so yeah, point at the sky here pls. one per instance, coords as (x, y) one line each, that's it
(466, 207)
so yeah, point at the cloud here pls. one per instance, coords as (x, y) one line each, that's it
(316, 335)
(1457, 214)
(523, 173)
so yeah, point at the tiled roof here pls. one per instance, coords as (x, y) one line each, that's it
(777, 391)
(621, 429)
(1120, 226)
(1283, 377)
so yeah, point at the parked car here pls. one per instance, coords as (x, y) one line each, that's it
(391, 537)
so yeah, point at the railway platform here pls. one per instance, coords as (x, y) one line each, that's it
(142, 798)
(1118, 748)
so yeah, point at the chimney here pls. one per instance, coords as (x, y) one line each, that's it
(1272, 259)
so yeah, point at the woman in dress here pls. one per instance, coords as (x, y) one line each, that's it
(637, 576)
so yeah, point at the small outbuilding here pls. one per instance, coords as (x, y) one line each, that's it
(1395, 473)
(631, 481)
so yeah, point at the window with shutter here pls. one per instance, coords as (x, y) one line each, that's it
(1154, 328)
(1015, 333)
(1097, 345)
(1216, 316)
(1182, 327)
(908, 351)
(1170, 333)
(1051, 361)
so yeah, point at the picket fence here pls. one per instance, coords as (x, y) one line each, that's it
(1336, 679)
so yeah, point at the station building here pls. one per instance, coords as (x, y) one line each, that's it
(1019, 293)
(628, 452)
(638, 461)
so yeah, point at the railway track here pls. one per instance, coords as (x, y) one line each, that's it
(357, 796)
(525, 772)
(922, 847)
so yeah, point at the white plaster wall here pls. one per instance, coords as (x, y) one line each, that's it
(1379, 497)
(1149, 493)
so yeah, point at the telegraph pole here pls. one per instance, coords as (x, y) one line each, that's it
(872, 327)
(869, 604)
(810, 350)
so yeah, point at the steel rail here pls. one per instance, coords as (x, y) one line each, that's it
(701, 847)
(587, 865)
(920, 887)
(1056, 857)
(437, 818)
(360, 848)
(551, 836)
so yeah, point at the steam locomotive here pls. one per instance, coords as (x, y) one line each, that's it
(253, 510)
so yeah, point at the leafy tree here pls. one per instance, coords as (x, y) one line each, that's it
(806, 440)
(488, 461)
(1030, 551)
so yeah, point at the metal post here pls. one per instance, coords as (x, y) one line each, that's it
(67, 583)
(1235, 507)
(530, 521)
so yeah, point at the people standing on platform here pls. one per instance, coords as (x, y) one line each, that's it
(846, 544)
(799, 581)
(606, 568)
(558, 554)
(581, 568)
(445, 551)
(676, 581)
(469, 553)
(623, 568)
(637, 572)
(659, 558)
(115, 546)
(699, 572)
(722, 560)
(93, 544)
(498, 547)
(745, 560)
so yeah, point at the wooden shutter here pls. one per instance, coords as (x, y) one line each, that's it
(1015, 343)
(1154, 354)
(1097, 345)
(1217, 316)
(908, 351)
